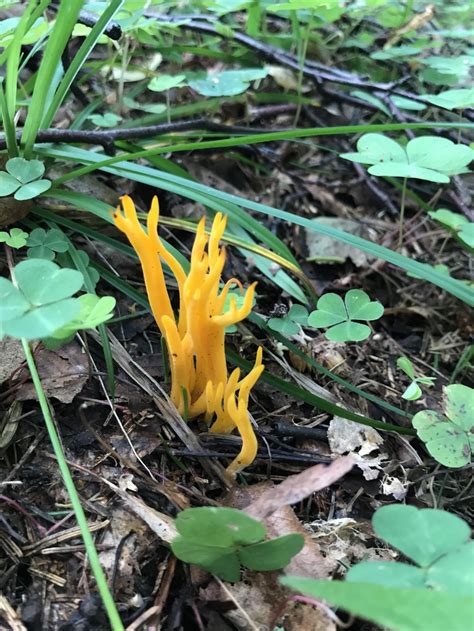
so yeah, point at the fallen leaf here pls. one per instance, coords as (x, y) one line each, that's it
(283, 77)
(11, 357)
(326, 249)
(135, 540)
(347, 437)
(162, 525)
(395, 487)
(253, 605)
(63, 373)
(297, 487)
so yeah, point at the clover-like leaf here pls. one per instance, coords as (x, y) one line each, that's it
(453, 572)
(459, 405)
(44, 244)
(290, 324)
(16, 238)
(449, 439)
(43, 320)
(448, 218)
(219, 526)
(25, 170)
(397, 608)
(375, 148)
(330, 310)
(109, 119)
(93, 311)
(12, 302)
(42, 301)
(360, 307)
(407, 104)
(423, 535)
(228, 82)
(32, 189)
(466, 234)
(447, 70)
(43, 282)
(457, 223)
(166, 82)
(8, 184)
(271, 555)
(437, 541)
(425, 158)
(413, 391)
(221, 539)
(452, 99)
(340, 314)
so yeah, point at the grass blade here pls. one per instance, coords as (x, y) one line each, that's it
(107, 599)
(65, 21)
(79, 59)
(200, 193)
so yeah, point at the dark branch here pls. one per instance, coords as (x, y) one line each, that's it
(106, 138)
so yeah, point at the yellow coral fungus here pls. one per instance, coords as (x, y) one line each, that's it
(196, 347)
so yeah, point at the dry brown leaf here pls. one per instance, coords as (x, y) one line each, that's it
(11, 357)
(297, 487)
(347, 437)
(271, 504)
(253, 605)
(162, 525)
(63, 373)
(134, 537)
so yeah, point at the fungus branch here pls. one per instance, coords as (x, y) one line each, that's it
(196, 341)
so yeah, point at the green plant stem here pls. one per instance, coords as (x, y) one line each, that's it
(304, 50)
(402, 212)
(107, 599)
(8, 125)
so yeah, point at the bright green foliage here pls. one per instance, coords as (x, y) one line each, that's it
(458, 224)
(42, 301)
(434, 594)
(93, 311)
(290, 324)
(438, 542)
(222, 539)
(228, 82)
(239, 301)
(396, 52)
(340, 315)
(16, 238)
(447, 70)
(452, 99)
(425, 158)
(65, 260)
(398, 609)
(44, 244)
(152, 108)
(413, 392)
(109, 119)
(450, 438)
(166, 82)
(23, 178)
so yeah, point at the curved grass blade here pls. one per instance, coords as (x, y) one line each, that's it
(199, 192)
(79, 59)
(66, 19)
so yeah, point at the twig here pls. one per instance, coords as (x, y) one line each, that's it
(314, 70)
(106, 138)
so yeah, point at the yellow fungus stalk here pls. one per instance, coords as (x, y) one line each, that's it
(196, 340)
